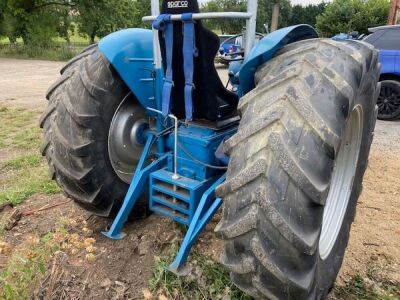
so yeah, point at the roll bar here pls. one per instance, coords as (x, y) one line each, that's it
(250, 16)
(208, 15)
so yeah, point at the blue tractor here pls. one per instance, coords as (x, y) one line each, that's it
(142, 120)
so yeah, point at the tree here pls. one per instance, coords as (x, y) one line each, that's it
(97, 18)
(352, 15)
(2, 24)
(306, 14)
(236, 26)
(264, 14)
(35, 21)
(226, 26)
(141, 9)
(39, 21)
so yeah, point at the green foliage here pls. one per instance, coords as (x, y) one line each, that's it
(306, 14)
(101, 17)
(38, 22)
(352, 15)
(208, 280)
(57, 51)
(141, 8)
(264, 15)
(225, 26)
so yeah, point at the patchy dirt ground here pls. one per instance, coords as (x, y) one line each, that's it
(105, 269)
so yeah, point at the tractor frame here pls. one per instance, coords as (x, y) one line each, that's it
(181, 165)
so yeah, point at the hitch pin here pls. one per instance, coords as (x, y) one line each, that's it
(171, 116)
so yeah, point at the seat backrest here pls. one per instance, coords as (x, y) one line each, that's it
(211, 101)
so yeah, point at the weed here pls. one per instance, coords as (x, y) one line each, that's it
(18, 129)
(208, 280)
(23, 162)
(18, 185)
(27, 264)
(26, 175)
(376, 285)
(60, 51)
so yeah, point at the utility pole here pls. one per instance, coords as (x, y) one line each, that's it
(275, 16)
(393, 12)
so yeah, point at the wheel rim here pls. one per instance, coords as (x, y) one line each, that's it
(126, 139)
(389, 100)
(342, 183)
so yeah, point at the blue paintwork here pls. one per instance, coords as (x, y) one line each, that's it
(176, 199)
(234, 69)
(201, 143)
(130, 51)
(206, 209)
(179, 198)
(342, 37)
(189, 199)
(267, 47)
(390, 62)
(136, 189)
(159, 83)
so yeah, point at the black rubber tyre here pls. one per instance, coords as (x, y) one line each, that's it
(76, 124)
(282, 163)
(389, 100)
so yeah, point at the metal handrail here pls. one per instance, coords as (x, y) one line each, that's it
(210, 15)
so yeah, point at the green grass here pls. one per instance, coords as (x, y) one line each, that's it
(211, 280)
(18, 185)
(376, 284)
(62, 52)
(356, 288)
(19, 128)
(24, 162)
(27, 174)
(20, 178)
(28, 263)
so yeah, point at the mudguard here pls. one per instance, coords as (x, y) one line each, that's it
(266, 49)
(130, 51)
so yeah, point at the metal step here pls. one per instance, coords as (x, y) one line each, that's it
(176, 199)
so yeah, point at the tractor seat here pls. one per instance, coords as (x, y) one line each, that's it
(211, 100)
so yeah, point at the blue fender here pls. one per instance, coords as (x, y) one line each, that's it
(267, 47)
(130, 51)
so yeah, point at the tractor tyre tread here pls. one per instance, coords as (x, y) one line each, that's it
(76, 124)
(281, 162)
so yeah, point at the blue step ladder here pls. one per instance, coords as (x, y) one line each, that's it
(184, 200)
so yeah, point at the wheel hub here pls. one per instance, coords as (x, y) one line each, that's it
(389, 100)
(342, 183)
(126, 138)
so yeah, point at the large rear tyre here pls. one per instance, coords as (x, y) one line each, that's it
(296, 168)
(88, 132)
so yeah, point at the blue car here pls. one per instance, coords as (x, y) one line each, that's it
(387, 40)
(230, 48)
